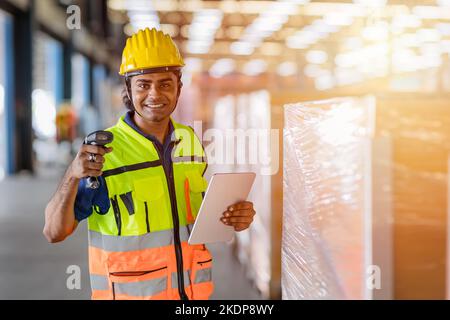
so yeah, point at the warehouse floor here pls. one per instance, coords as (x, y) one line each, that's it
(31, 268)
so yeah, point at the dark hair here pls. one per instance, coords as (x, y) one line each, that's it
(126, 100)
(127, 87)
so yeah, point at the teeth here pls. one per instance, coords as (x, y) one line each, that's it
(155, 106)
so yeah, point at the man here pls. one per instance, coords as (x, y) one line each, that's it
(151, 188)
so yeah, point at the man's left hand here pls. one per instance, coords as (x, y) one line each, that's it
(239, 215)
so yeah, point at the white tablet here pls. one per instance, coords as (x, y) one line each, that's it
(224, 189)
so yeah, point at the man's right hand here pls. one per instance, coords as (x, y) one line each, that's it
(82, 167)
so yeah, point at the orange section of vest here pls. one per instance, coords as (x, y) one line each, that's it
(147, 265)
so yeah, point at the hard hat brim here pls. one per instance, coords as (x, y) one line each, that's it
(151, 70)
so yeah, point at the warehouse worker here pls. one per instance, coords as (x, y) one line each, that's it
(151, 188)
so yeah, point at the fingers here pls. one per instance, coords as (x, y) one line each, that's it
(93, 149)
(98, 158)
(98, 150)
(92, 168)
(89, 161)
(241, 205)
(237, 220)
(240, 226)
(88, 170)
(240, 213)
(239, 216)
(92, 173)
(89, 165)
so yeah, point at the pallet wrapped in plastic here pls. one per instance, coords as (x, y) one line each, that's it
(325, 219)
(359, 200)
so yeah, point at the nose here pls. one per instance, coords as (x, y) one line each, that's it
(153, 91)
(153, 95)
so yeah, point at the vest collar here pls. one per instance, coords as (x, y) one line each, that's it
(122, 124)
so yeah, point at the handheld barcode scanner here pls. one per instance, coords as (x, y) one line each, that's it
(97, 138)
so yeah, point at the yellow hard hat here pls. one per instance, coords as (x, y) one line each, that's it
(147, 50)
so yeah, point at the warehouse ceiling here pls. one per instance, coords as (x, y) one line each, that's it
(318, 39)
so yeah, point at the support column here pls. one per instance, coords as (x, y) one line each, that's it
(23, 67)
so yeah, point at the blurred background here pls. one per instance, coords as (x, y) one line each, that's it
(380, 67)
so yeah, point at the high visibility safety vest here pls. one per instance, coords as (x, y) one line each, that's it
(139, 249)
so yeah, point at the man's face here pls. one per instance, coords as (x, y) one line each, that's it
(155, 95)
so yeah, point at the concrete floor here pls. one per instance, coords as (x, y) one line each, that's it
(31, 268)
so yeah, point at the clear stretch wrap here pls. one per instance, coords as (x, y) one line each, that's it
(326, 219)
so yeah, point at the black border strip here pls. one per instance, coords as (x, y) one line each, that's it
(132, 167)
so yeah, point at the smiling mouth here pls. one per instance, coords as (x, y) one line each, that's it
(154, 106)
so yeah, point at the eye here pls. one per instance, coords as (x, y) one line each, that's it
(143, 86)
(165, 85)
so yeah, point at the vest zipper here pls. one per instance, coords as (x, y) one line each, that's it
(117, 217)
(130, 274)
(135, 273)
(176, 227)
(203, 262)
(146, 216)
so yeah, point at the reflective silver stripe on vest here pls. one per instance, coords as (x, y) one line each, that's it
(188, 159)
(99, 282)
(203, 275)
(185, 232)
(132, 243)
(186, 278)
(142, 288)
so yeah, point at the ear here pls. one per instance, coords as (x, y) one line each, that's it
(180, 85)
(128, 86)
(128, 92)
